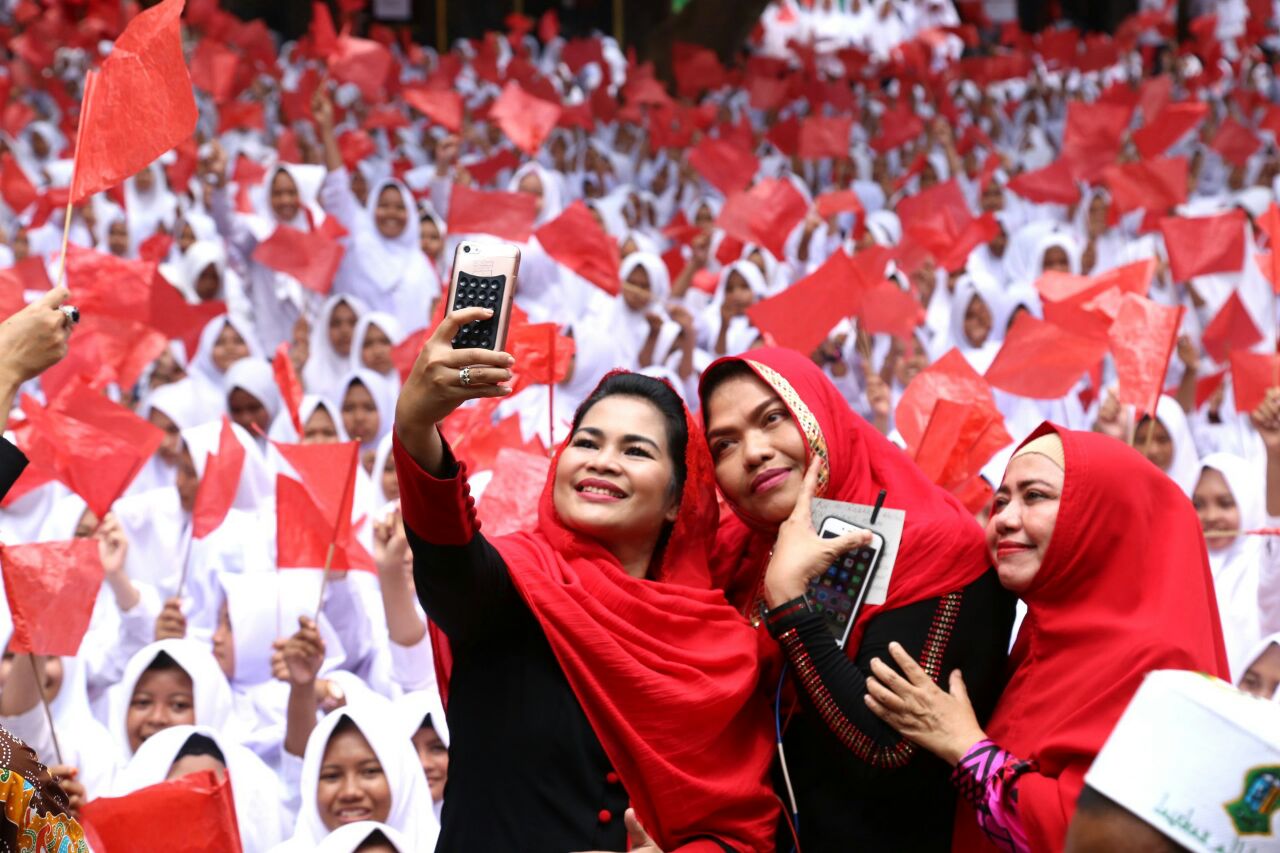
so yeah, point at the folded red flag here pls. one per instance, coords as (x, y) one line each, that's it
(170, 314)
(288, 383)
(93, 446)
(1156, 184)
(1142, 339)
(765, 214)
(304, 533)
(822, 137)
(363, 62)
(1093, 136)
(442, 106)
(199, 817)
(508, 216)
(510, 502)
(217, 490)
(1204, 244)
(958, 441)
(1252, 374)
(1054, 184)
(213, 69)
(1235, 142)
(137, 106)
(16, 188)
(526, 120)
(802, 316)
(309, 256)
(51, 588)
(543, 355)
(1041, 360)
(838, 201)
(888, 309)
(1231, 329)
(328, 473)
(1157, 135)
(575, 239)
(948, 378)
(726, 166)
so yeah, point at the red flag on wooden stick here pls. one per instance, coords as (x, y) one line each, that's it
(765, 214)
(575, 239)
(542, 355)
(1204, 244)
(526, 119)
(888, 309)
(363, 62)
(328, 472)
(948, 378)
(199, 817)
(217, 490)
(1251, 375)
(51, 588)
(1142, 339)
(1170, 124)
(442, 106)
(801, 316)
(958, 440)
(288, 383)
(171, 315)
(511, 506)
(16, 188)
(304, 533)
(309, 256)
(726, 166)
(137, 106)
(1230, 329)
(1040, 360)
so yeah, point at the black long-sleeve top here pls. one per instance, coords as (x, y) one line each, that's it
(12, 463)
(519, 736)
(858, 784)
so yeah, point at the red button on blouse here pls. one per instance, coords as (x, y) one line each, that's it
(605, 816)
(611, 778)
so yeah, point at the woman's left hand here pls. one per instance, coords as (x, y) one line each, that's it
(68, 778)
(941, 722)
(638, 841)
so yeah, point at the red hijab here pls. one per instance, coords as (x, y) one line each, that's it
(1124, 588)
(943, 548)
(665, 670)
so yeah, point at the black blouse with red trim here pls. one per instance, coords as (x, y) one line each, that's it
(858, 784)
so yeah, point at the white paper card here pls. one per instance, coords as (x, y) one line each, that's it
(888, 524)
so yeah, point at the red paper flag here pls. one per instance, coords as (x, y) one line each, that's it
(1204, 244)
(217, 490)
(405, 353)
(958, 441)
(324, 38)
(199, 817)
(27, 274)
(1235, 142)
(838, 201)
(801, 316)
(1054, 184)
(543, 356)
(575, 239)
(109, 286)
(308, 256)
(213, 69)
(1142, 339)
(887, 309)
(510, 501)
(105, 350)
(948, 378)
(246, 115)
(1093, 135)
(508, 216)
(328, 474)
(51, 588)
(1169, 125)
(1231, 329)
(765, 214)
(979, 231)
(726, 166)
(696, 69)
(16, 188)
(175, 319)
(1252, 374)
(363, 62)
(289, 385)
(1207, 386)
(442, 106)
(94, 446)
(1040, 360)
(1155, 185)
(525, 119)
(304, 534)
(137, 106)
(822, 137)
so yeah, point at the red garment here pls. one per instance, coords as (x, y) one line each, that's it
(1124, 588)
(942, 549)
(666, 673)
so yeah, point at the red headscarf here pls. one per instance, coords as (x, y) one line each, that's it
(666, 671)
(1124, 588)
(943, 548)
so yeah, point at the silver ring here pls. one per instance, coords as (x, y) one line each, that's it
(464, 376)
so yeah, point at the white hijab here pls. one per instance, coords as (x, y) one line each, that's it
(263, 221)
(968, 288)
(325, 368)
(1185, 468)
(390, 327)
(742, 335)
(420, 709)
(182, 404)
(255, 788)
(282, 429)
(349, 838)
(199, 256)
(201, 368)
(256, 377)
(257, 487)
(384, 399)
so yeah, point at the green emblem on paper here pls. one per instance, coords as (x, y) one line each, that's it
(1251, 812)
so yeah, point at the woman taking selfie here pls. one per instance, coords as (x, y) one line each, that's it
(1106, 552)
(593, 665)
(772, 416)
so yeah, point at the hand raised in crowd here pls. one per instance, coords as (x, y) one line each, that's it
(302, 655)
(1110, 416)
(1188, 353)
(800, 554)
(34, 339)
(921, 711)
(322, 108)
(112, 545)
(68, 779)
(1266, 420)
(171, 624)
(391, 547)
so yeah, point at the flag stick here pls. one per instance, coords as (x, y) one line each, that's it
(343, 505)
(324, 580)
(186, 561)
(551, 392)
(48, 712)
(66, 235)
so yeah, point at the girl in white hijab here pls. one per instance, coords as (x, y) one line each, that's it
(368, 407)
(636, 319)
(367, 835)
(375, 335)
(321, 420)
(723, 327)
(253, 398)
(223, 342)
(173, 408)
(329, 353)
(423, 722)
(180, 750)
(203, 275)
(340, 747)
(1173, 448)
(974, 309)
(1259, 669)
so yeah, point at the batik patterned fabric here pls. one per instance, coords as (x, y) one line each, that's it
(987, 778)
(35, 807)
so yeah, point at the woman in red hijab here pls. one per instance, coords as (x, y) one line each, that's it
(771, 415)
(594, 667)
(1107, 554)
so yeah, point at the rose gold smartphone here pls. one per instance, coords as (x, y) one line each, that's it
(484, 276)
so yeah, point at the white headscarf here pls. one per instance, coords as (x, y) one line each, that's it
(257, 486)
(200, 255)
(384, 399)
(203, 371)
(263, 221)
(742, 335)
(255, 788)
(380, 498)
(418, 710)
(1241, 666)
(553, 190)
(325, 368)
(282, 429)
(256, 377)
(155, 208)
(390, 327)
(969, 287)
(1185, 468)
(182, 404)
(349, 838)
(411, 812)
(210, 692)
(627, 328)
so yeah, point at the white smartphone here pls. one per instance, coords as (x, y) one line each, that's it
(838, 592)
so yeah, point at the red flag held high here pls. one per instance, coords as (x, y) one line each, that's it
(543, 355)
(1042, 361)
(1142, 339)
(838, 201)
(199, 815)
(363, 62)
(1231, 329)
(1169, 125)
(575, 239)
(765, 214)
(172, 316)
(442, 106)
(801, 316)
(137, 106)
(328, 473)
(217, 490)
(959, 439)
(948, 378)
(1156, 185)
(888, 309)
(16, 188)
(1204, 244)
(726, 166)
(304, 534)
(1251, 375)
(51, 588)
(526, 119)
(309, 256)
(289, 385)
(821, 137)
(1054, 184)
(508, 216)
